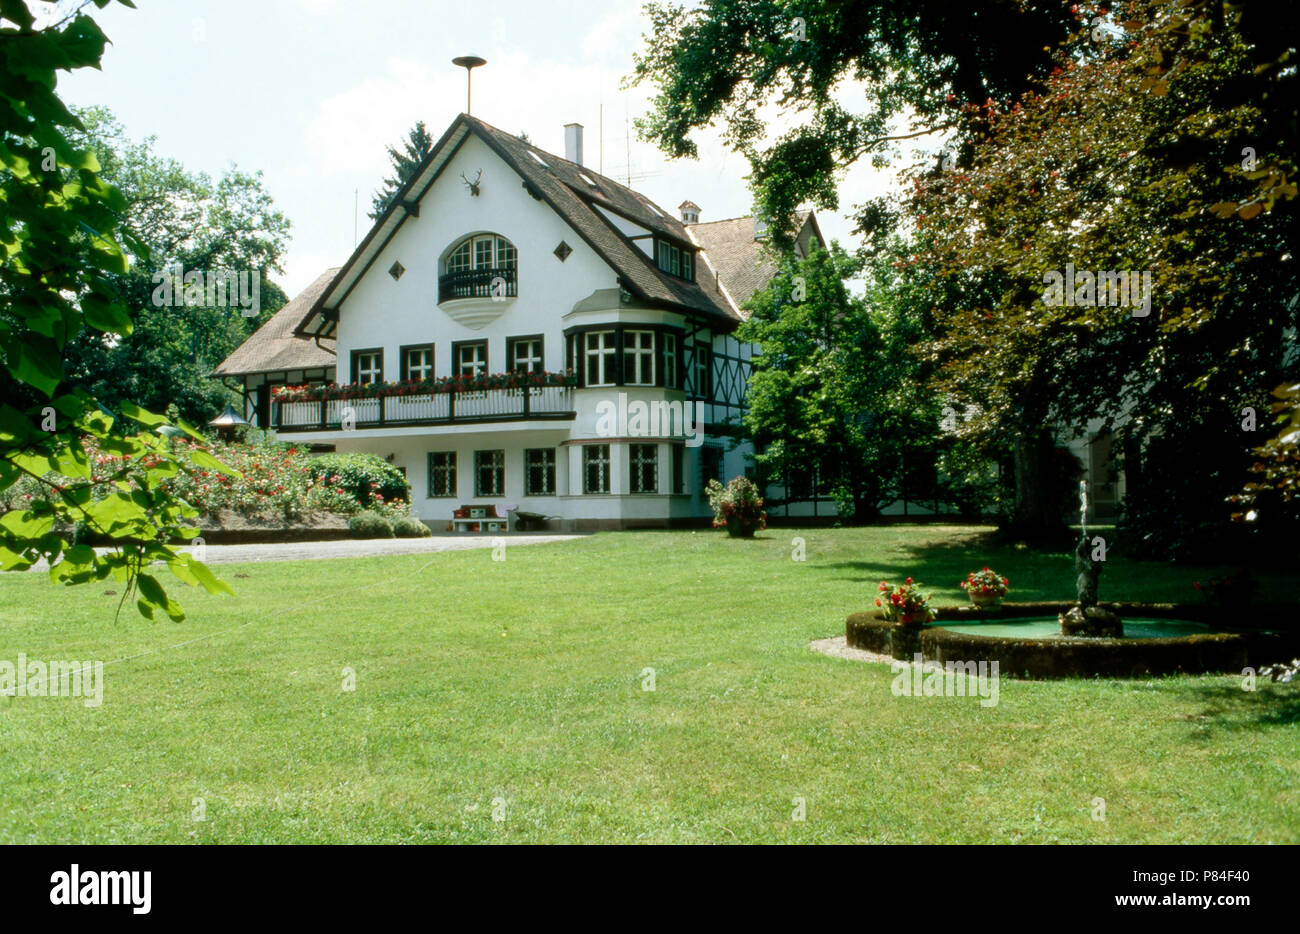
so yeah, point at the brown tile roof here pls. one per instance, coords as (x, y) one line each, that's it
(274, 346)
(733, 265)
(561, 182)
(573, 191)
(742, 261)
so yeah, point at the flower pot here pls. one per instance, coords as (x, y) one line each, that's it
(985, 599)
(738, 528)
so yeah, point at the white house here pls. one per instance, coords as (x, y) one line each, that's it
(518, 330)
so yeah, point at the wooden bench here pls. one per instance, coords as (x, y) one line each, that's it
(479, 518)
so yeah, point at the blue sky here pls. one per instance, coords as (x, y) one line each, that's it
(312, 91)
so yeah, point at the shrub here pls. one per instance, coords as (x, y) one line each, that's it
(410, 527)
(275, 480)
(369, 524)
(367, 478)
(738, 508)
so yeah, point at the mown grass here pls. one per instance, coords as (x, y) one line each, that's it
(521, 681)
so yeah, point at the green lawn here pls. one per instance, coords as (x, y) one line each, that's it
(521, 680)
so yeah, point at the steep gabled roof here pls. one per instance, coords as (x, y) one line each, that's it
(575, 193)
(274, 346)
(739, 256)
(732, 263)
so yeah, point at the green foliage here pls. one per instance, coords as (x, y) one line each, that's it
(1083, 174)
(59, 272)
(834, 385)
(367, 478)
(369, 524)
(1275, 492)
(410, 527)
(270, 481)
(1163, 141)
(415, 147)
(188, 223)
(729, 61)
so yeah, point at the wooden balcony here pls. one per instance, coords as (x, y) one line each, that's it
(477, 283)
(534, 403)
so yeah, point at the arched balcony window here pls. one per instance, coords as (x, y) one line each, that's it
(479, 266)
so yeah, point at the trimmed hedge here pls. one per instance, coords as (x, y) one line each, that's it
(410, 527)
(370, 525)
(1221, 652)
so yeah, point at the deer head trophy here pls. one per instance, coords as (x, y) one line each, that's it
(472, 186)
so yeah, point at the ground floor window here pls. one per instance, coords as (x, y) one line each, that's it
(540, 475)
(710, 465)
(442, 473)
(678, 474)
(489, 473)
(644, 459)
(595, 468)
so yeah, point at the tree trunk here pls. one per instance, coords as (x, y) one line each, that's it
(1035, 517)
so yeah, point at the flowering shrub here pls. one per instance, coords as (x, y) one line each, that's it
(738, 508)
(421, 387)
(275, 481)
(1230, 589)
(367, 479)
(904, 604)
(985, 583)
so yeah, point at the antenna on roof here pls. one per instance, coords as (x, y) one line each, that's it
(469, 63)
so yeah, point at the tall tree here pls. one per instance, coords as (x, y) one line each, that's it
(415, 147)
(1119, 166)
(960, 68)
(189, 223)
(833, 387)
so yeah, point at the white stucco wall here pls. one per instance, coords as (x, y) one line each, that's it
(382, 313)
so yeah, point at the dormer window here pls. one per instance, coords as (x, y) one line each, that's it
(673, 260)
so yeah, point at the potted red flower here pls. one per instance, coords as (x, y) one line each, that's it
(985, 588)
(737, 507)
(904, 604)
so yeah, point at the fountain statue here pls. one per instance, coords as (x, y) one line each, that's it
(1086, 618)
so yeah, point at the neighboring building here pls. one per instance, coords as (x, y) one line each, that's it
(499, 258)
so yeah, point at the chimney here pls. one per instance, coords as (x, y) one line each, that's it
(573, 142)
(690, 212)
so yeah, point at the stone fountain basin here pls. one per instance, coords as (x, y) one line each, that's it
(1049, 627)
(1024, 639)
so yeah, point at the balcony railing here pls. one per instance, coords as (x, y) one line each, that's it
(478, 283)
(436, 408)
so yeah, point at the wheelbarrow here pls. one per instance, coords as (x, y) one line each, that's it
(528, 520)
